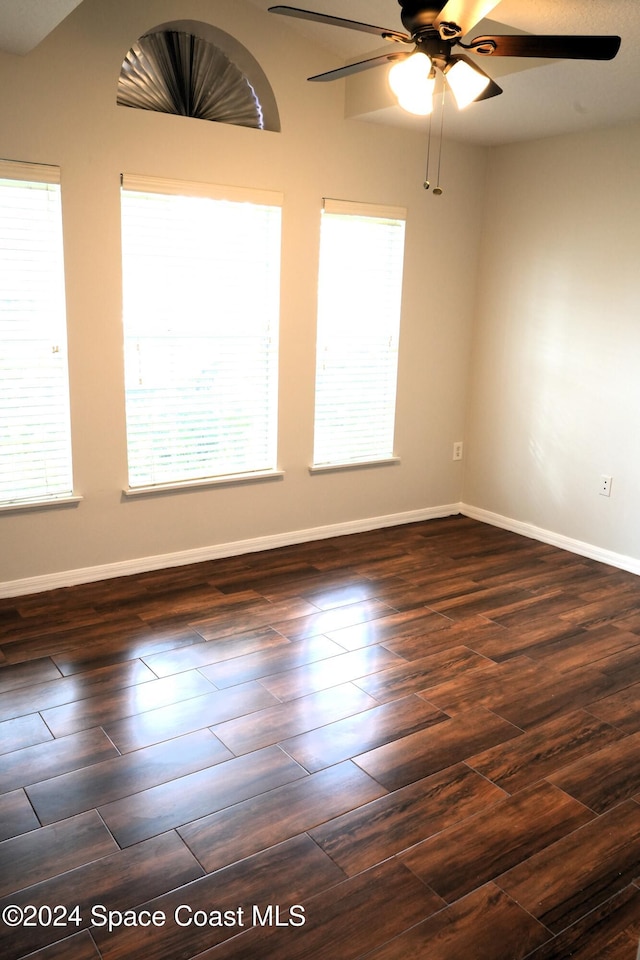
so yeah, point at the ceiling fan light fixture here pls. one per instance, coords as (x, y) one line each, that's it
(466, 82)
(413, 81)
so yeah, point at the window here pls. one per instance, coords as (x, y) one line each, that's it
(35, 437)
(201, 282)
(359, 295)
(192, 69)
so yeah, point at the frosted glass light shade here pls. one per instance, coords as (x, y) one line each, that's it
(466, 83)
(413, 82)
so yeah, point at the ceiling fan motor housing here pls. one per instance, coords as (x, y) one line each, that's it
(417, 14)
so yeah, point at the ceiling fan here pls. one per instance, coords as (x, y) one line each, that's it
(435, 28)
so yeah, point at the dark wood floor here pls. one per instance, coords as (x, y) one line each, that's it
(422, 741)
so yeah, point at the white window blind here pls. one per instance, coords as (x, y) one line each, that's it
(201, 284)
(35, 438)
(359, 299)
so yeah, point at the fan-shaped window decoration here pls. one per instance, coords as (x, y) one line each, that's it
(181, 72)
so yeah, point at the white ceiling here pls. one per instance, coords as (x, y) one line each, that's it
(541, 98)
(24, 23)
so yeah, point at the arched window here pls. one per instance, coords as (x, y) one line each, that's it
(195, 70)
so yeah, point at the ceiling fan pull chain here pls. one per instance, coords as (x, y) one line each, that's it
(437, 190)
(427, 182)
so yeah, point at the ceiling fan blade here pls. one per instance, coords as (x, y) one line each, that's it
(564, 48)
(340, 22)
(358, 67)
(464, 13)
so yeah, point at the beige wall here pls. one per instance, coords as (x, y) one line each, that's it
(554, 401)
(59, 106)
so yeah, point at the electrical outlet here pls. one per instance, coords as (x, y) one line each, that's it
(457, 450)
(605, 486)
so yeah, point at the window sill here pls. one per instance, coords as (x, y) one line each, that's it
(44, 504)
(359, 465)
(206, 482)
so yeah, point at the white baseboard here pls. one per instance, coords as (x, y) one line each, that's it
(620, 560)
(124, 568)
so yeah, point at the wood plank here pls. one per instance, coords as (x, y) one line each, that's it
(326, 592)
(330, 672)
(486, 925)
(53, 758)
(222, 610)
(22, 732)
(483, 568)
(563, 883)
(66, 630)
(489, 602)
(209, 651)
(383, 828)
(78, 947)
(31, 858)
(541, 576)
(239, 617)
(346, 921)
(604, 778)
(520, 640)
(628, 621)
(555, 602)
(415, 623)
(106, 707)
(187, 716)
(427, 751)
(610, 931)
(41, 696)
(622, 709)
(600, 612)
(49, 615)
(16, 815)
(623, 666)
(196, 795)
(555, 695)
(485, 687)
(282, 813)
(402, 678)
(548, 747)
(287, 656)
(170, 601)
(444, 634)
(579, 651)
(326, 621)
(285, 720)
(281, 576)
(468, 855)
(121, 881)
(108, 650)
(287, 874)
(72, 793)
(343, 739)
(400, 565)
(403, 596)
(24, 674)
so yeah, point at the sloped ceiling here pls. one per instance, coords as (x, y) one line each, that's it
(541, 98)
(24, 23)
